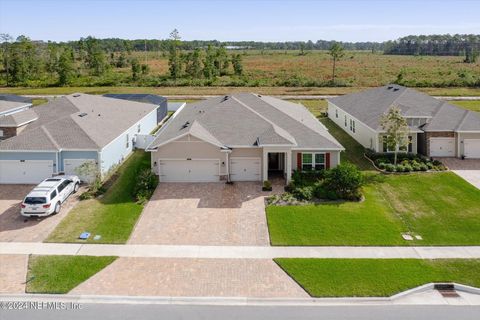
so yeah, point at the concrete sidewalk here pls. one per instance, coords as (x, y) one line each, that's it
(238, 252)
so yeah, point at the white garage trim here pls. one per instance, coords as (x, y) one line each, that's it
(25, 171)
(236, 177)
(471, 148)
(442, 147)
(192, 160)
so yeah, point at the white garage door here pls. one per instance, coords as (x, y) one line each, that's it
(189, 170)
(245, 169)
(471, 148)
(25, 171)
(442, 147)
(70, 167)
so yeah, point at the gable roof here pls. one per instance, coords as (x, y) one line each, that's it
(78, 122)
(139, 97)
(18, 119)
(368, 106)
(7, 106)
(248, 120)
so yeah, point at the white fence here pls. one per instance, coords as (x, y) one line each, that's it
(143, 140)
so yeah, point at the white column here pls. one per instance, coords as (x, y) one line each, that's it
(265, 165)
(288, 155)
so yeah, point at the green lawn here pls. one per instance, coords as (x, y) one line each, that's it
(376, 277)
(441, 207)
(60, 274)
(473, 105)
(113, 216)
(353, 150)
(316, 106)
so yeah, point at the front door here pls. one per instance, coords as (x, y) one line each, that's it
(273, 161)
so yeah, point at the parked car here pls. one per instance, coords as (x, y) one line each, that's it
(47, 198)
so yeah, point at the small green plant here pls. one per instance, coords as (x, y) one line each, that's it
(390, 167)
(345, 180)
(267, 186)
(304, 193)
(145, 185)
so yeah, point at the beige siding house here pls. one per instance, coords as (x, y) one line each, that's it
(242, 137)
(437, 128)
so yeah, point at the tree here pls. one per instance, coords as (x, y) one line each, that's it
(194, 64)
(175, 55)
(221, 61)
(237, 64)
(95, 56)
(65, 67)
(396, 130)
(336, 52)
(5, 39)
(136, 69)
(51, 64)
(209, 70)
(23, 63)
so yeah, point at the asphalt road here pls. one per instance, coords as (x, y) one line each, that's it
(164, 312)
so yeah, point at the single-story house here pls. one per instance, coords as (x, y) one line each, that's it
(68, 131)
(159, 101)
(437, 128)
(241, 137)
(11, 115)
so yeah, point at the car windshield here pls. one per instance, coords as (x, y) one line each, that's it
(35, 200)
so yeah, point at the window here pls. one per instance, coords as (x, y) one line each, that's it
(319, 161)
(35, 200)
(387, 148)
(353, 122)
(127, 145)
(345, 121)
(313, 161)
(336, 113)
(1, 133)
(409, 147)
(60, 188)
(139, 128)
(307, 161)
(53, 194)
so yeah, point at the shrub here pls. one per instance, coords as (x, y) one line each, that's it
(304, 178)
(345, 180)
(382, 165)
(407, 168)
(430, 165)
(417, 166)
(423, 167)
(145, 184)
(400, 168)
(304, 193)
(319, 191)
(267, 186)
(390, 167)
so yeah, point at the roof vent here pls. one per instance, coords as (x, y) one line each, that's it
(396, 89)
(389, 87)
(186, 125)
(225, 98)
(76, 95)
(83, 114)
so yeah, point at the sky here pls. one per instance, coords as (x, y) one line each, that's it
(263, 20)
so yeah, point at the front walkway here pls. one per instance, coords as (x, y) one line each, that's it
(205, 214)
(238, 252)
(468, 169)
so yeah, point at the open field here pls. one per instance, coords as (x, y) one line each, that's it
(60, 274)
(202, 91)
(113, 216)
(376, 278)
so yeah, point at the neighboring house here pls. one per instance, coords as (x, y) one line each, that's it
(70, 131)
(13, 114)
(159, 101)
(242, 137)
(437, 128)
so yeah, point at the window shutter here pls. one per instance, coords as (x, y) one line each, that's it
(327, 160)
(299, 161)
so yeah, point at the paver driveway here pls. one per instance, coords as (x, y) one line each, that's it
(14, 227)
(192, 278)
(468, 169)
(205, 214)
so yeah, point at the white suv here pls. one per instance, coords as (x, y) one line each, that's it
(48, 196)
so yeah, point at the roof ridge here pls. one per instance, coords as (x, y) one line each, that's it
(395, 100)
(288, 136)
(49, 136)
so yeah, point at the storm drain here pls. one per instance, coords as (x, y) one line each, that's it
(447, 290)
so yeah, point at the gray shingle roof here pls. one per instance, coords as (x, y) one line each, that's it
(15, 98)
(6, 106)
(139, 97)
(18, 119)
(103, 120)
(247, 119)
(368, 106)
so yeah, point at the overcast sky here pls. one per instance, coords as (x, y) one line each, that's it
(280, 20)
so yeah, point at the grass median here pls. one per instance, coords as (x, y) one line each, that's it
(376, 277)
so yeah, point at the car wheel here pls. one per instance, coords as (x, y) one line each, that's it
(76, 187)
(57, 208)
